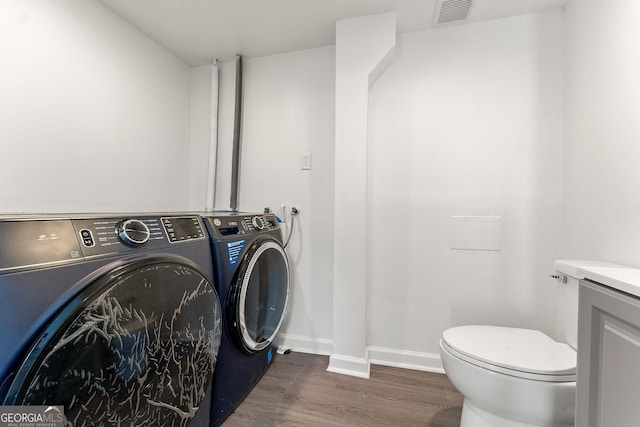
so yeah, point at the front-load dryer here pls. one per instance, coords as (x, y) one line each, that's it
(252, 275)
(115, 318)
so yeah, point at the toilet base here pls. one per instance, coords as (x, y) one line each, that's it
(472, 416)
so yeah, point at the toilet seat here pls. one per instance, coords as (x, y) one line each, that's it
(523, 353)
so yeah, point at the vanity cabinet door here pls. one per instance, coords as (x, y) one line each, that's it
(608, 376)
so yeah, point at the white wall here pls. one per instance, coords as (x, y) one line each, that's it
(601, 197)
(288, 110)
(94, 116)
(364, 49)
(467, 121)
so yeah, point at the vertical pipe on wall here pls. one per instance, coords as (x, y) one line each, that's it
(213, 137)
(235, 160)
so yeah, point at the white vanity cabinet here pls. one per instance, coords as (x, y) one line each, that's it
(608, 373)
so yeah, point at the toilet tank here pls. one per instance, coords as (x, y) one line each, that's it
(567, 297)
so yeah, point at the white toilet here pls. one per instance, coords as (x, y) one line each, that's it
(513, 377)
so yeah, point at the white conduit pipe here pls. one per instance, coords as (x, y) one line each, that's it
(213, 137)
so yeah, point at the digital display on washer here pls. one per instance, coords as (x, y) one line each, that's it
(179, 229)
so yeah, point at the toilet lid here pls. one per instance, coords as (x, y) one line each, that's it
(523, 351)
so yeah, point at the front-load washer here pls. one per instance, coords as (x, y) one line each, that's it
(252, 275)
(115, 318)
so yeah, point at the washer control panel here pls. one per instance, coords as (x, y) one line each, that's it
(240, 224)
(265, 222)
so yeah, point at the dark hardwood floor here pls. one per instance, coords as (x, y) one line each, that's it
(298, 391)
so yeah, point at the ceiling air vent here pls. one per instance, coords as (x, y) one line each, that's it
(452, 10)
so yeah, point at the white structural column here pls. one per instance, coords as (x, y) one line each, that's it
(363, 47)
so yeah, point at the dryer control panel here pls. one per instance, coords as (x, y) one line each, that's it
(104, 236)
(38, 242)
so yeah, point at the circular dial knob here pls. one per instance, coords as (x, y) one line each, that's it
(133, 232)
(257, 222)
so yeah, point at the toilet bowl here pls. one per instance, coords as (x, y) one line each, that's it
(512, 377)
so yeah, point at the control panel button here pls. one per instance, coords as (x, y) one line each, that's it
(87, 238)
(133, 232)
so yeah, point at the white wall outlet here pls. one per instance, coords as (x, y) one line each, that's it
(306, 161)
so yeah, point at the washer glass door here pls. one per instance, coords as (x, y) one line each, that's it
(137, 347)
(262, 291)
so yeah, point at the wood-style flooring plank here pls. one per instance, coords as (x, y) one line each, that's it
(297, 390)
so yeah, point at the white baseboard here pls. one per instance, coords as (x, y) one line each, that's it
(348, 365)
(304, 344)
(430, 362)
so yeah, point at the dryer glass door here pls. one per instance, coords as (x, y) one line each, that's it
(137, 347)
(263, 293)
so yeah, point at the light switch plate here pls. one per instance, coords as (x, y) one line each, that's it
(306, 161)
